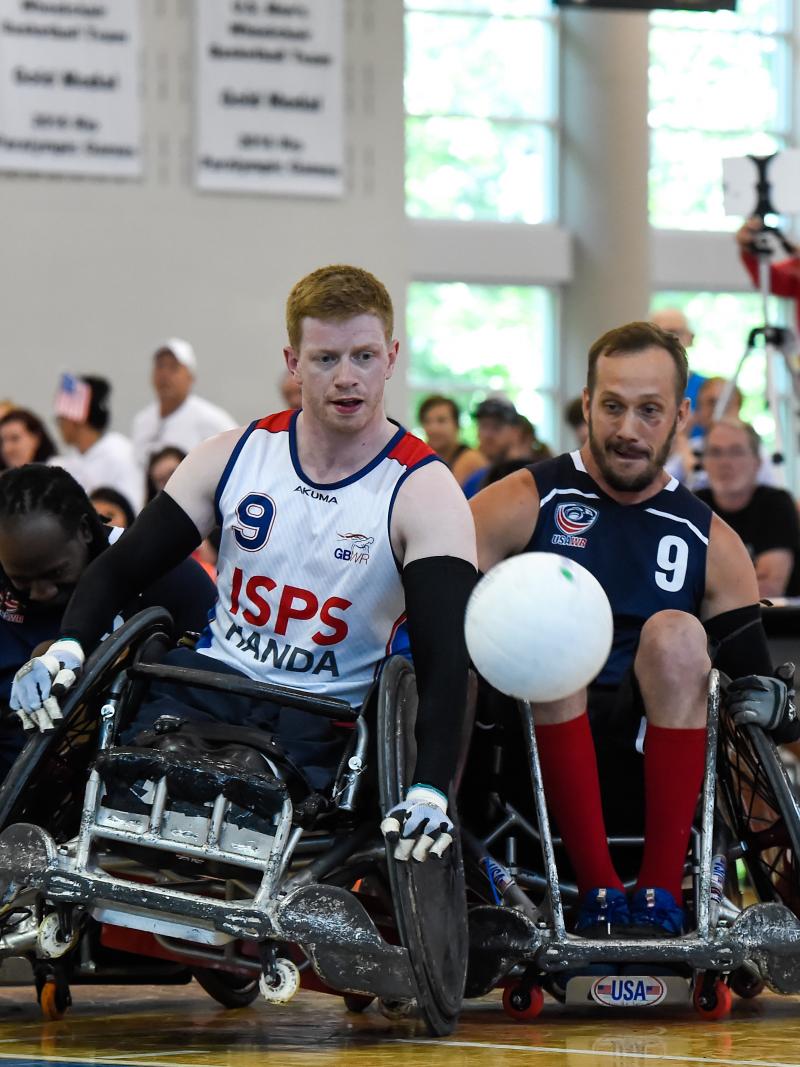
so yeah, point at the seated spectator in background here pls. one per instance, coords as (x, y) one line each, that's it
(527, 445)
(527, 451)
(160, 468)
(49, 533)
(439, 417)
(177, 417)
(686, 459)
(573, 417)
(24, 439)
(96, 455)
(112, 507)
(763, 516)
(291, 392)
(498, 433)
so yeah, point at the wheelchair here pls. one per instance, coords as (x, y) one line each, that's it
(748, 823)
(229, 870)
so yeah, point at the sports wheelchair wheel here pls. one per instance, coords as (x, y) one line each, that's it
(763, 814)
(59, 759)
(229, 990)
(430, 897)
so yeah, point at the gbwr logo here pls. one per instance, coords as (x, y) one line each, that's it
(357, 550)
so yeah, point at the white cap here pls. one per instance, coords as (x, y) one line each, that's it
(181, 350)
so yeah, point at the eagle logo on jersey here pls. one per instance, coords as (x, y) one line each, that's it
(358, 547)
(575, 518)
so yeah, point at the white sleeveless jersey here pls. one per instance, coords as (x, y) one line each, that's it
(309, 590)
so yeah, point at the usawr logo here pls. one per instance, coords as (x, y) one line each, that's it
(358, 550)
(574, 518)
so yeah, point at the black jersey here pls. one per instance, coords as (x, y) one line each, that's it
(647, 557)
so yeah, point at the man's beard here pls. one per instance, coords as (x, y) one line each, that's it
(632, 483)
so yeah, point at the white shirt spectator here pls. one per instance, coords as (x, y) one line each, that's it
(178, 418)
(194, 421)
(108, 462)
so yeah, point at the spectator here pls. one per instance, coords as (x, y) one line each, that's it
(674, 321)
(686, 459)
(439, 417)
(160, 469)
(784, 276)
(763, 516)
(498, 433)
(177, 417)
(112, 507)
(24, 439)
(527, 445)
(573, 416)
(96, 456)
(291, 392)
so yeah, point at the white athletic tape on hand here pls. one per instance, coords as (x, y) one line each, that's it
(422, 848)
(42, 720)
(390, 827)
(51, 706)
(404, 848)
(25, 719)
(440, 846)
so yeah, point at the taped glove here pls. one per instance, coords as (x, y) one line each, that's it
(758, 700)
(41, 682)
(419, 826)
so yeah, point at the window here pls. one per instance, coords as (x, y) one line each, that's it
(720, 85)
(467, 341)
(480, 91)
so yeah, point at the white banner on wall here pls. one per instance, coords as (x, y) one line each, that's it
(69, 95)
(268, 92)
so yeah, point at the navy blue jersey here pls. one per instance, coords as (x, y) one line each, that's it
(648, 557)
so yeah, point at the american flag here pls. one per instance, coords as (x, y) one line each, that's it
(73, 398)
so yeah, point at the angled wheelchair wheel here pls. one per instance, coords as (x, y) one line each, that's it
(229, 990)
(429, 898)
(763, 813)
(60, 758)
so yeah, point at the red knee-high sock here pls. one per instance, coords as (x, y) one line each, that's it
(674, 761)
(569, 772)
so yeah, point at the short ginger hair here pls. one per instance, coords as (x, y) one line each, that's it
(337, 292)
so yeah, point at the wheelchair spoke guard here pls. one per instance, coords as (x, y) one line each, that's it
(429, 898)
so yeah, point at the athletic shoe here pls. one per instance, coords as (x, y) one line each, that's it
(655, 913)
(603, 913)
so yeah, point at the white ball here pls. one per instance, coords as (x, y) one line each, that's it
(539, 627)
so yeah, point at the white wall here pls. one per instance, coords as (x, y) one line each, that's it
(94, 274)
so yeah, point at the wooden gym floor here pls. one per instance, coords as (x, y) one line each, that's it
(149, 1026)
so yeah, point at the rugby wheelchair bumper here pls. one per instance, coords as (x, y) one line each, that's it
(55, 872)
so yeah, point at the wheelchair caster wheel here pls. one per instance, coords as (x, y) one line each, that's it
(746, 982)
(283, 986)
(712, 1000)
(357, 1002)
(522, 1004)
(229, 990)
(49, 941)
(397, 1009)
(54, 999)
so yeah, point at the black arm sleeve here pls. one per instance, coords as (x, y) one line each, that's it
(738, 643)
(437, 590)
(161, 537)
